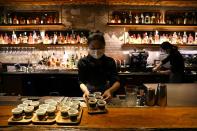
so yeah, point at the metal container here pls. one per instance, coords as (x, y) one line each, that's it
(161, 95)
(150, 97)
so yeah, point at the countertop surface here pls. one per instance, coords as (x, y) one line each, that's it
(120, 116)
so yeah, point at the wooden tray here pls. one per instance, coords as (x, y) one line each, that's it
(23, 121)
(67, 121)
(96, 110)
(48, 121)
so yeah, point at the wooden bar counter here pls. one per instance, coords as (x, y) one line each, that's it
(122, 118)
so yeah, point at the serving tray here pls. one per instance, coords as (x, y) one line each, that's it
(66, 121)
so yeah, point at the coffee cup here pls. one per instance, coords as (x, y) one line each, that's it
(17, 114)
(28, 111)
(73, 113)
(47, 101)
(91, 96)
(27, 102)
(41, 114)
(64, 111)
(53, 103)
(22, 106)
(98, 97)
(51, 111)
(92, 103)
(43, 106)
(35, 104)
(97, 93)
(101, 104)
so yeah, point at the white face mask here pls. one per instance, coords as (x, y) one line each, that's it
(96, 53)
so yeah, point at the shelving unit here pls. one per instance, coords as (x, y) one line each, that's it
(155, 46)
(153, 27)
(32, 27)
(43, 46)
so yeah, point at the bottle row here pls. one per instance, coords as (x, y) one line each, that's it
(158, 38)
(132, 17)
(29, 18)
(42, 37)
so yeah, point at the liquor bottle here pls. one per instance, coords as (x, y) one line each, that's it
(185, 18)
(139, 39)
(158, 19)
(83, 39)
(157, 37)
(130, 17)
(184, 38)
(147, 19)
(9, 19)
(25, 38)
(20, 39)
(145, 38)
(78, 38)
(179, 39)
(162, 38)
(15, 20)
(174, 38)
(150, 38)
(14, 38)
(37, 20)
(190, 39)
(35, 38)
(153, 19)
(30, 39)
(1, 39)
(136, 19)
(195, 42)
(54, 38)
(6, 38)
(43, 19)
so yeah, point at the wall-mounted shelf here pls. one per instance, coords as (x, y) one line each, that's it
(32, 27)
(42, 46)
(155, 46)
(151, 27)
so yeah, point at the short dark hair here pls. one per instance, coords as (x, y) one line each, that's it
(97, 36)
(167, 45)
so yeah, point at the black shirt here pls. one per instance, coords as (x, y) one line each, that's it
(176, 61)
(97, 72)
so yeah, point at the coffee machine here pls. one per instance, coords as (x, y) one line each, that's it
(138, 60)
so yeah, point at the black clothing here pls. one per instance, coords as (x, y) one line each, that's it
(98, 73)
(177, 66)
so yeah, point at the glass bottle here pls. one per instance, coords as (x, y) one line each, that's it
(147, 19)
(156, 37)
(184, 37)
(142, 18)
(174, 38)
(190, 39)
(25, 38)
(185, 18)
(15, 20)
(9, 19)
(14, 38)
(130, 17)
(153, 19)
(136, 19)
(30, 39)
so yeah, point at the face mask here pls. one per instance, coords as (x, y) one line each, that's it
(96, 54)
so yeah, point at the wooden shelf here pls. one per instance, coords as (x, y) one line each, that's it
(47, 27)
(153, 27)
(154, 46)
(43, 46)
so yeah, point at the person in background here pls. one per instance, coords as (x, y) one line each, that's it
(97, 72)
(176, 60)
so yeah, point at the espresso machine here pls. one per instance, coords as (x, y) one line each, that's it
(138, 60)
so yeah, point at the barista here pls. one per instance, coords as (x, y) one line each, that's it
(175, 58)
(97, 72)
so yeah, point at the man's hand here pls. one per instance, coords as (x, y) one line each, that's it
(107, 95)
